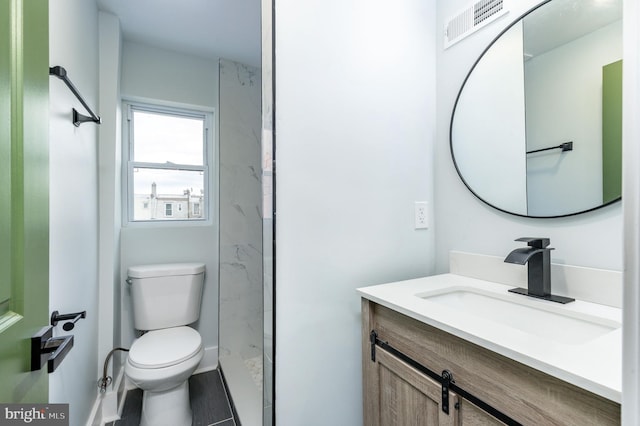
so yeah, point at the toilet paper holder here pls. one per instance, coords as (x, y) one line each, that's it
(74, 317)
(46, 349)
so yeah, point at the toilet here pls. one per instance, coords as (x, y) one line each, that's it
(166, 298)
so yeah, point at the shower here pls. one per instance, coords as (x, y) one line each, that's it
(241, 311)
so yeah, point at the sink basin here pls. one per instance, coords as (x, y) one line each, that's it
(536, 317)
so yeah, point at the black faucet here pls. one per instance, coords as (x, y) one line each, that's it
(538, 257)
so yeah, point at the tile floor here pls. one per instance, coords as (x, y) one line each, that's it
(209, 401)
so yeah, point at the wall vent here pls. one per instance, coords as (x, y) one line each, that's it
(472, 19)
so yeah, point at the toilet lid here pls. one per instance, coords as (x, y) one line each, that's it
(165, 347)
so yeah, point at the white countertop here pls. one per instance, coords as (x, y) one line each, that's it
(595, 365)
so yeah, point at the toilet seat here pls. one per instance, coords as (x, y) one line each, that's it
(165, 347)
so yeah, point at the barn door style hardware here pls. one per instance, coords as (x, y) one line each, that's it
(78, 118)
(445, 379)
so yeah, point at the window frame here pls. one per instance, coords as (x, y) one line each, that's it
(129, 165)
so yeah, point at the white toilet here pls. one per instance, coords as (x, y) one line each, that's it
(165, 299)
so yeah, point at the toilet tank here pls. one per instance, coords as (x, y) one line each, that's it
(166, 295)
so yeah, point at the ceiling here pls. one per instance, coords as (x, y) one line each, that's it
(560, 22)
(228, 29)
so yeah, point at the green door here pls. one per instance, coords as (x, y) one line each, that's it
(24, 195)
(611, 132)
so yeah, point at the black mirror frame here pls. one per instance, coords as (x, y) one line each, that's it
(453, 112)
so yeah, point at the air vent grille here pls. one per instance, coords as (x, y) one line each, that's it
(484, 10)
(472, 19)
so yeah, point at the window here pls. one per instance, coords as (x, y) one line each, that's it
(167, 164)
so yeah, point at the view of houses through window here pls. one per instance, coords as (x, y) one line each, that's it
(173, 204)
(168, 165)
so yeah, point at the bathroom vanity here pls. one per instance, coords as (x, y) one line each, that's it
(450, 349)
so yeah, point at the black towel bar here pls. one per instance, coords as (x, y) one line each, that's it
(78, 118)
(566, 146)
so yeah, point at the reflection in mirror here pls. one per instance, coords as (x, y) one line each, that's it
(536, 130)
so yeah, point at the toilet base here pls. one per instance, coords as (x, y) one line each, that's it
(167, 408)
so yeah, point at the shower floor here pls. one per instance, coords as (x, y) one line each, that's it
(241, 377)
(254, 365)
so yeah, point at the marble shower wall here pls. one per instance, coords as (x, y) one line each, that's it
(240, 210)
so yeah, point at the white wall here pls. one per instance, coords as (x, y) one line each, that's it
(109, 206)
(465, 223)
(153, 74)
(74, 202)
(354, 133)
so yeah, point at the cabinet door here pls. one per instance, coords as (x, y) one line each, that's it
(399, 395)
(471, 415)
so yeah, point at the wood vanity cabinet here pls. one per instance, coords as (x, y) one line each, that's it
(397, 393)
(407, 397)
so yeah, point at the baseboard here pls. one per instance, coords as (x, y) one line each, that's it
(209, 361)
(108, 406)
(94, 418)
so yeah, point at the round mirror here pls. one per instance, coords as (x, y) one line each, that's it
(536, 129)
